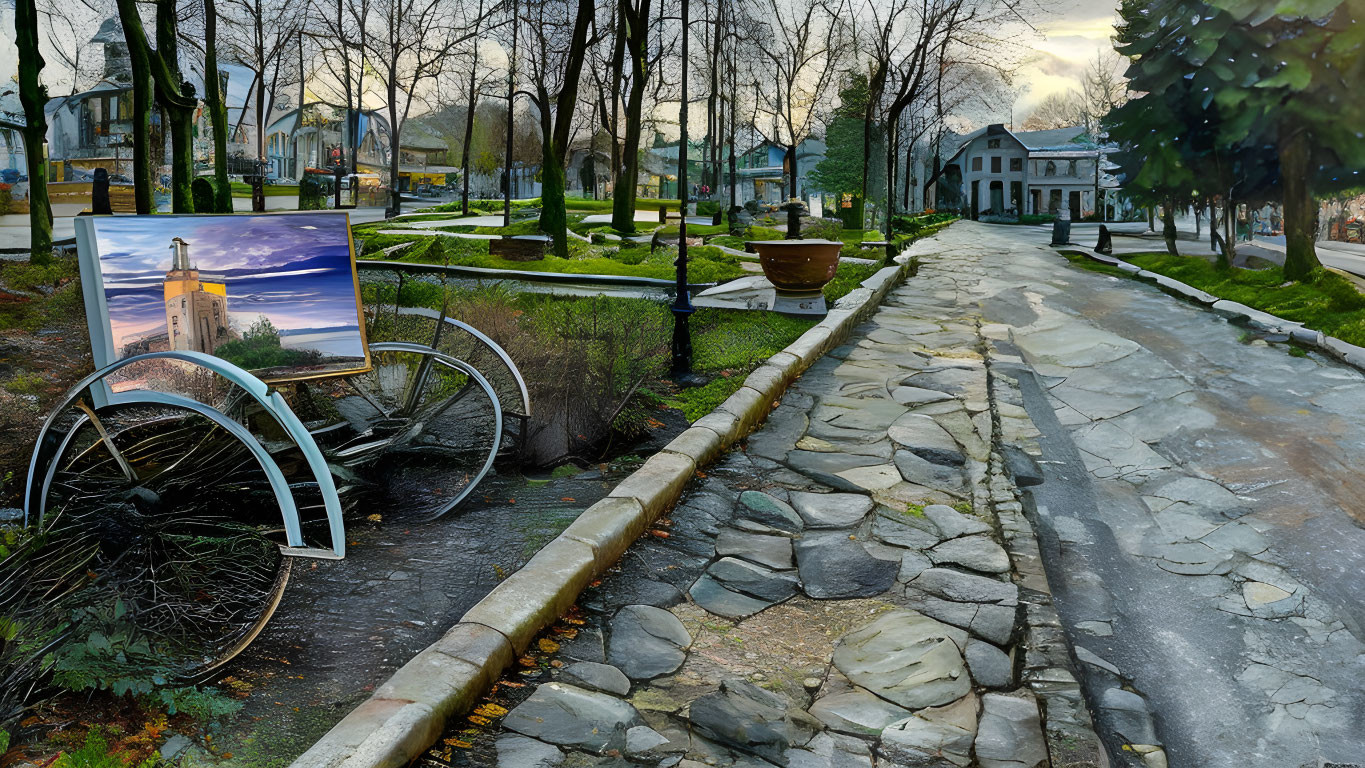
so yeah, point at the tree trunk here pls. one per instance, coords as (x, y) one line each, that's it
(213, 100)
(890, 176)
(791, 153)
(1230, 228)
(553, 217)
(33, 96)
(175, 103)
(1168, 226)
(1300, 212)
(468, 137)
(625, 192)
(635, 26)
(141, 72)
(395, 152)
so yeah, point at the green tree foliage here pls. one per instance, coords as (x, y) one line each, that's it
(841, 170)
(260, 348)
(1262, 82)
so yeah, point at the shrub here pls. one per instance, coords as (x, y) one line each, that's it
(312, 196)
(6, 199)
(96, 753)
(708, 207)
(201, 190)
(823, 229)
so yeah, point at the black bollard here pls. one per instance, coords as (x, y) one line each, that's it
(1061, 227)
(99, 197)
(1106, 243)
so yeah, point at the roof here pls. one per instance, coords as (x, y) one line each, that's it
(1056, 138)
(110, 31)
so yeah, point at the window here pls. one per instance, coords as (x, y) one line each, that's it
(1071, 168)
(995, 164)
(1016, 164)
(976, 163)
(1050, 169)
(992, 143)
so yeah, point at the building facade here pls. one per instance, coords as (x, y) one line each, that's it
(998, 175)
(196, 310)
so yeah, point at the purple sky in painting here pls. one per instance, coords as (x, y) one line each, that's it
(294, 269)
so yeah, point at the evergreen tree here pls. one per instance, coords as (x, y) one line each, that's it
(841, 170)
(1264, 82)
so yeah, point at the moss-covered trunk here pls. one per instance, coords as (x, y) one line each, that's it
(33, 96)
(141, 71)
(554, 220)
(555, 138)
(1300, 212)
(634, 26)
(624, 192)
(217, 109)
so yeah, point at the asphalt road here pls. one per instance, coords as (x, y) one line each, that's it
(1203, 509)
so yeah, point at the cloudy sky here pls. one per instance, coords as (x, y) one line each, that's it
(1070, 34)
(295, 270)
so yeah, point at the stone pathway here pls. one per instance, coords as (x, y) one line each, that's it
(856, 587)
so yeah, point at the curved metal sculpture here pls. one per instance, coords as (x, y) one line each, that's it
(50, 445)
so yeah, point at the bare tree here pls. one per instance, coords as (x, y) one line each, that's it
(407, 44)
(633, 31)
(801, 41)
(176, 96)
(1057, 110)
(260, 35)
(70, 27)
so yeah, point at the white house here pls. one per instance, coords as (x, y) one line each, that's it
(998, 174)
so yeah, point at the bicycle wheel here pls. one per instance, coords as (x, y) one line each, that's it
(427, 426)
(153, 533)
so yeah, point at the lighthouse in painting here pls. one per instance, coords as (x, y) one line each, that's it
(196, 310)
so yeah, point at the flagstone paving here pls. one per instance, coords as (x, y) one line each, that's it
(856, 586)
(859, 584)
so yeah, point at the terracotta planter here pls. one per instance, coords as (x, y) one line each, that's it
(798, 265)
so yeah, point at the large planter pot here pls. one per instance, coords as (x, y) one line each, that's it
(798, 269)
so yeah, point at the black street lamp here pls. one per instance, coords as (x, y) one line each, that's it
(682, 304)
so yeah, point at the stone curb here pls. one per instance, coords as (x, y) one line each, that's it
(408, 712)
(1333, 347)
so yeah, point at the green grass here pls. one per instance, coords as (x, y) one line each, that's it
(847, 278)
(1325, 302)
(695, 230)
(728, 344)
(240, 189)
(705, 265)
(572, 204)
(1082, 261)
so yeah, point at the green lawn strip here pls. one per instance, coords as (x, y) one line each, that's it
(240, 189)
(705, 265)
(572, 204)
(1082, 261)
(728, 344)
(1325, 302)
